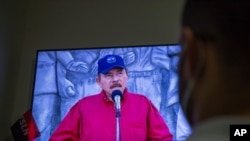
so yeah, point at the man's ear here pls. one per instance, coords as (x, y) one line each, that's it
(190, 52)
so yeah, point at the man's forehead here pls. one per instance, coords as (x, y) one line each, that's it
(116, 69)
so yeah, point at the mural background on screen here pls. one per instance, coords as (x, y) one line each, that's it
(65, 76)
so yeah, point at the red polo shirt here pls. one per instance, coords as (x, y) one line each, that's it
(93, 119)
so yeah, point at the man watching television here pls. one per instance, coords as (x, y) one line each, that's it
(214, 66)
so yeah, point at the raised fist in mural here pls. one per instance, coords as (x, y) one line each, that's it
(128, 57)
(67, 87)
(159, 57)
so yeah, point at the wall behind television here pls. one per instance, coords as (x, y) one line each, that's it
(28, 26)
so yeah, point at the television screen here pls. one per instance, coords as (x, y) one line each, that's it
(65, 76)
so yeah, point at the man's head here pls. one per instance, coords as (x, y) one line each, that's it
(112, 74)
(215, 62)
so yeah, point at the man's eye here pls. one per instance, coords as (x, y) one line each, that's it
(108, 75)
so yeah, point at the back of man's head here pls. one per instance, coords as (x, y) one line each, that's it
(224, 23)
(220, 29)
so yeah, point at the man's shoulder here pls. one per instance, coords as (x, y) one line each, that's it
(86, 103)
(216, 128)
(90, 98)
(137, 96)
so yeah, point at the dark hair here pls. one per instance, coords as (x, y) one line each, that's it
(217, 19)
(223, 23)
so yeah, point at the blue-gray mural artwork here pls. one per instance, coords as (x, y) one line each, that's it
(65, 76)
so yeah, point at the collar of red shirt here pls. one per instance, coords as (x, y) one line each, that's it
(124, 95)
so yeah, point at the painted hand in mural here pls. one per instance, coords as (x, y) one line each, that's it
(78, 67)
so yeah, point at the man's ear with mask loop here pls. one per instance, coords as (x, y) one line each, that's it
(194, 63)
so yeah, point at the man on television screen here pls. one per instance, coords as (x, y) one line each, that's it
(94, 118)
(214, 68)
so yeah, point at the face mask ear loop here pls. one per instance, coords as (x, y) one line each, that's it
(192, 81)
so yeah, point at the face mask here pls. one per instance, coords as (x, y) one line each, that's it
(190, 85)
(187, 94)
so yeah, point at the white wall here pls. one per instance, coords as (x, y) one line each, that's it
(73, 24)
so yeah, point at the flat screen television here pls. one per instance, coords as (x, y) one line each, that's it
(63, 76)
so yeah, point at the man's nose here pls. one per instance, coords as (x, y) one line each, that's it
(115, 78)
